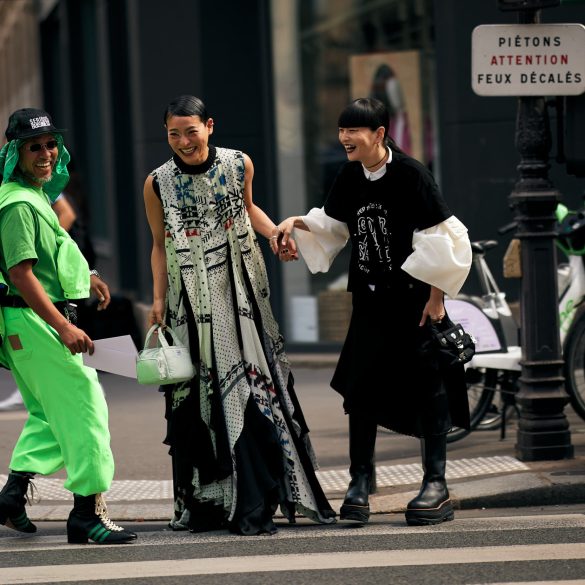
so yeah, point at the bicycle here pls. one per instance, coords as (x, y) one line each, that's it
(493, 373)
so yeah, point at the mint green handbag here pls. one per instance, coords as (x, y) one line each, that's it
(163, 364)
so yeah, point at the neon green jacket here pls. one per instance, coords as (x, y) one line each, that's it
(72, 268)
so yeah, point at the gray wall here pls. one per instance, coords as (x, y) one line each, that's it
(110, 68)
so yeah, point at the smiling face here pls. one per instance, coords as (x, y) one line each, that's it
(362, 144)
(188, 136)
(37, 158)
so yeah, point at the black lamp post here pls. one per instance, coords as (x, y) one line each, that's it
(543, 429)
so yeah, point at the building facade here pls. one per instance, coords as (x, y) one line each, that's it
(274, 74)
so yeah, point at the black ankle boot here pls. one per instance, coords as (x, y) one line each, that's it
(12, 502)
(362, 442)
(432, 505)
(356, 506)
(89, 520)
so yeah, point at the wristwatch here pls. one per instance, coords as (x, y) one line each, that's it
(94, 272)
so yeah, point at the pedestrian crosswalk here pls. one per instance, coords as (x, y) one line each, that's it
(503, 549)
(79, 573)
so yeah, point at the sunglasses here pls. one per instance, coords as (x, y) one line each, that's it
(51, 145)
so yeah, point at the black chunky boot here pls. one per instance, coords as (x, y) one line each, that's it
(89, 520)
(362, 442)
(12, 501)
(432, 505)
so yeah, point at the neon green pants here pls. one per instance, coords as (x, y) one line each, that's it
(68, 415)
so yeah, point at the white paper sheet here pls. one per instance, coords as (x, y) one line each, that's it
(116, 355)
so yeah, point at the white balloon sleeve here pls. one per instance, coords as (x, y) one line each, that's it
(326, 238)
(441, 256)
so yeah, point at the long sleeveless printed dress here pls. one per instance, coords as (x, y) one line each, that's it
(236, 432)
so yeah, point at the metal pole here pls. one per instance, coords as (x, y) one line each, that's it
(543, 429)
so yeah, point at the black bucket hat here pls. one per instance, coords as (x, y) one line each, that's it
(29, 122)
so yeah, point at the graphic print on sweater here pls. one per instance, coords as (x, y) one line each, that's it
(373, 231)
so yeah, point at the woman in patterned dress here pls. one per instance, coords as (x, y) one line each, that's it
(238, 440)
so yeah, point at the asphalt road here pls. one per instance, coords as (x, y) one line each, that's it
(528, 546)
(545, 544)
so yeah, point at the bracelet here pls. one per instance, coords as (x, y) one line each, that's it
(273, 238)
(94, 272)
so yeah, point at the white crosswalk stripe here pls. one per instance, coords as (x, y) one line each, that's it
(522, 540)
(291, 562)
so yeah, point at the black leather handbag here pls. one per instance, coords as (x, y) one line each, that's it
(450, 342)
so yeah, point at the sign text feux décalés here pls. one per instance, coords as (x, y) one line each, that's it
(528, 59)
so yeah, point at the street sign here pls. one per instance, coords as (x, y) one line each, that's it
(528, 59)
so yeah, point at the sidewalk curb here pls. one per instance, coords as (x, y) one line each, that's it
(529, 489)
(514, 490)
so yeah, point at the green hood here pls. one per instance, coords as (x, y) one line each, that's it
(59, 179)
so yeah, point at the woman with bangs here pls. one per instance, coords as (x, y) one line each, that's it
(381, 199)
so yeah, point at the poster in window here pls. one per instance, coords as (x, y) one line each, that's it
(394, 78)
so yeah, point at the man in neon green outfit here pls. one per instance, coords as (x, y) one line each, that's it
(41, 268)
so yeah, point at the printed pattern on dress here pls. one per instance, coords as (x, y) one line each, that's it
(210, 243)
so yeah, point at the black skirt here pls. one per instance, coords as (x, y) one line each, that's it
(382, 373)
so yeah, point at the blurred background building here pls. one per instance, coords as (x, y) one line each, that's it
(274, 74)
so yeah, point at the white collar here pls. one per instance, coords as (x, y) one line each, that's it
(380, 172)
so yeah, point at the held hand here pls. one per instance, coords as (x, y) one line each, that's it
(101, 290)
(288, 252)
(156, 314)
(287, 247)
(76, 340)
(286, 228)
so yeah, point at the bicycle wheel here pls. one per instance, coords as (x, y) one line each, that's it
(480, 393)
(574, 355)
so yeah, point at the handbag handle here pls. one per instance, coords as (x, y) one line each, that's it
(161, 338)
